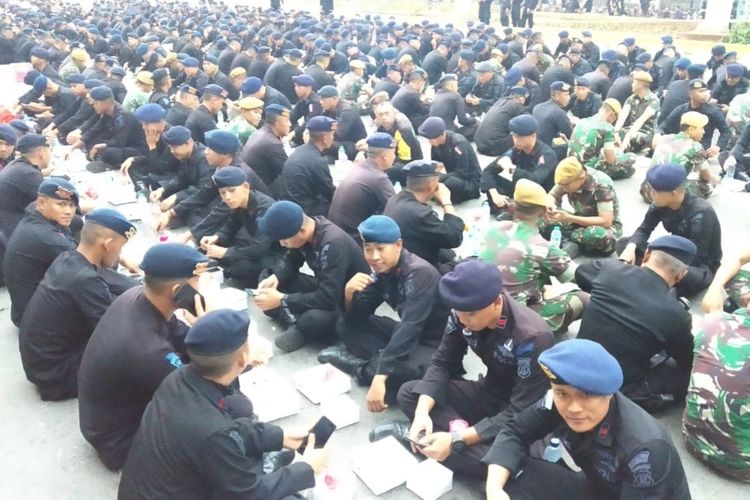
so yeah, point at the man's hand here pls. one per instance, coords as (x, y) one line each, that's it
(557, 215)
(421, 426)
(216, 252)
(357, 283)
(207, 241)
(98, 148)
(315, 458)
(724, 108)
(125, 167)
(167, 204)
(628, 255)
(440, 168)
(437, 446)
(156, 195)
(443, 194)
(713, 301)
(268, 298)
(499, 200)
(361, 145)
(163, 221)
(131, 265)
(713, 151)
(294, 439)
(271, 282)
(73, 137)
(376, 394)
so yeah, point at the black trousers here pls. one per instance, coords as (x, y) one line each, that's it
(367, 339)
(515, 13)
(466, 401)
(485, 8)
(665, 378)
(695, 281)
(460, 189)
(246, 271)
(313, 323)
(540, 480)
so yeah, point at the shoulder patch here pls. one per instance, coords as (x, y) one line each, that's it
(238, 439)
(173, 359)
(640, 468)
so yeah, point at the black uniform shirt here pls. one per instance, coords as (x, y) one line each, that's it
(280, 77)
(435, 65)
(628, 455)
(193, 172)
(423, 233)
(265, 154)
(306, 180)
(449, 106)
(723, 93)
(538, 166)
(493, 135)
(553, 121)
(587, 108)
(200, 121)
(677, 93)
(178, 114)
(510, 350)
(131, 350)
(488, 93)
(716, 121)
(59, 319)
(190, 447)
(19, 183)
(408, 101)
(321, 77)
(240, 234)
(459, 158)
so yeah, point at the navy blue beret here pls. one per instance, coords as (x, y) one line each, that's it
(304, 80)
(471, 286)
(263, 49)
(20, 125)
(117, 70)
(190, 62)
(218, 333)
(563, 34)
(276, 35)
(523, 91)
(277, 109)
(76, 78)
(282, 220)
(559, 86)
(295, 54)
(176, 136)
(320, 124)
(381, 140)
(718, 50)
(141, 50)
(609, 55)
(222, 141)
(160, 73)
(513, 76)
(527, 33)
(735, 70)
(678, 247)
(31, 141)
(101, 93)
(379, 229)
(150, 113)
(643, 57)
(58, 189)
(421, 168)
(432, 128)
(328, 91)
(116, 39)
(40, 84)
(32, 75)
(8, 134)
(582, 82)
(187, 89)
(213, 89)
(467, 55)
(682, 63)
(251, 85)
(523, 125)
(696, 70)
(584, 365)
(210, 59)
(480, 46)
(172, 261)
(629, 41)
(388, 53)
(229, 176)
(39, 52)
(667, 39)
(666, 177)
(111, 219)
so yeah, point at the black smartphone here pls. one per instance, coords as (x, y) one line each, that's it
(323, 429)
(184, 297)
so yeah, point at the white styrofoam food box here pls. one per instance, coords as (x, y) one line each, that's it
(430, 480)
(341, 410)
(322, 382)
(384, 465)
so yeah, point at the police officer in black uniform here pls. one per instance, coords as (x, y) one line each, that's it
(422, 231)
(584, 103)
(198, 437)
(254, 87)
(306, 107)
(681, 214)
(349, 126)
(20, 179)
(68, 304)
(162, 87)
(733, 85)
(307, 305)
(380, 352)
(493, 137)
(203, 118)
(40, 236)
(179, 112)
(306, 177)
(281, 73)
(239, 246)
(635, 317)
(264, 152)
(134, 346)
(449, 106)
(698, 101)
(217, 77)
(318, 70)
(155, 162)
(554, 125)
(508, 338)
(623, 451)
(408, 99)
(453, 150)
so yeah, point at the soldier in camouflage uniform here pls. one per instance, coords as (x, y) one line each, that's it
(637, 120)
(352, 85)
(686, 150)
(732, 279)
(593, 143)
(594, 226)
(527, 261)
(248, 121)
(138, 95)
(716, 423)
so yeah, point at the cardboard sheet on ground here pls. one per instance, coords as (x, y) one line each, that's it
(384, 465)
(430, 480)
(322, 382)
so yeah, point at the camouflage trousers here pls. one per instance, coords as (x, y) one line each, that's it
(623, 168)
(591, 240)
(559, 312)
(738, 288)
(639, 141)
(696, 187)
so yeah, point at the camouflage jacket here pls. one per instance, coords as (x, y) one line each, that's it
(241, 129)
(596, 196)
(525, 259)
(680, 149)
(589, 137)
(638, 106)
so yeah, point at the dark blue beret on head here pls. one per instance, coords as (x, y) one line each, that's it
(190, 62)
(251, 85)
(643, 57)
(111, 219)
(678, 247)
(40, 83)
(432, 128)
(176, 136)
(8, 135)
(559, 86)
(582, 82)
(666, 177)
(277, 109)
(735, 70)
(629, 42)
(31, 141)
(513, 76)
(76, 78)
(213, 89)
(117, 70)
(210, 59)
(32, 75)
(328, 91)
(218, 333)
(389, 53)
(320, 124)
(471, 286)
(381, 140)
(421, 168)
(39, 52)
(304, 80)
(160, 73)
(467, 55)
(58, 188)
(682, 63)
(523, 125)
(379, 229)
(150, 113)
(518, 91)
(172, 261)
(20, 126)
(101, 93)
(584, 365)
(229, 176)
(667, 39)
(282, 220)
(222, 141)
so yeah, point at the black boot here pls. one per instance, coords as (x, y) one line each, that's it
(398, 429)
(342, 359)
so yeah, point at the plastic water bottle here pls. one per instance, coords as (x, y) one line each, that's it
(553, 451)
(397, 187)
(556, 237)
(342, 153)
(731, 164)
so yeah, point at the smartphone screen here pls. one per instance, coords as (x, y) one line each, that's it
(323, 429)
(185, 298)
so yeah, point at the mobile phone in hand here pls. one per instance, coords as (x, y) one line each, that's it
(323, 429)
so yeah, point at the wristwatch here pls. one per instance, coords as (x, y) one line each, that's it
(457, 443)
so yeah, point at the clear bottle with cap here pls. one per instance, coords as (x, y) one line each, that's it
(553, 451)
(342, 154)
(556, 237)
